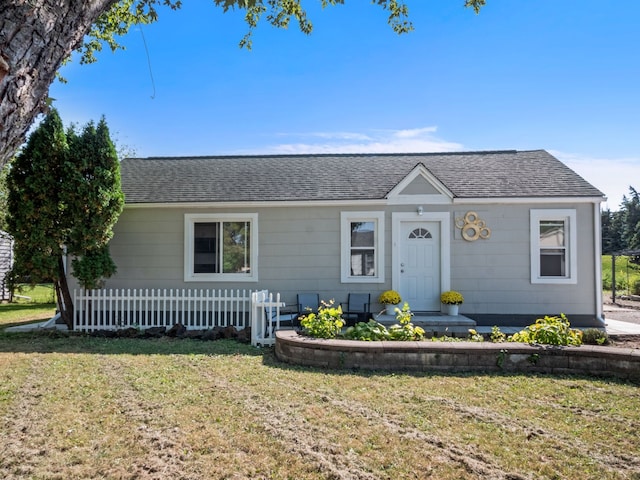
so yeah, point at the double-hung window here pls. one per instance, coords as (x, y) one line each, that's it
(220, 247)
(553, 246)
(362, 247)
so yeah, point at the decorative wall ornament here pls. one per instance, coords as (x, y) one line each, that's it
(472, 228)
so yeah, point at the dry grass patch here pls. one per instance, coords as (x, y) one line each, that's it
(154, 409)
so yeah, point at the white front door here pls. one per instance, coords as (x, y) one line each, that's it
(419, 247)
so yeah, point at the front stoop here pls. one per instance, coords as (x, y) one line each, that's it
(435, 325)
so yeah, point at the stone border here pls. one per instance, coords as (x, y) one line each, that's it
(457, 356)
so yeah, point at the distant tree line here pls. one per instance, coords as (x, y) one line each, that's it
(621, 229)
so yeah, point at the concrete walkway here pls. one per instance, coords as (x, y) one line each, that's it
(34, 327)
(621, 320)
(616, 327)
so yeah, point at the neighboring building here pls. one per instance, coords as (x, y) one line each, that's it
(516, 232)
(6, 262)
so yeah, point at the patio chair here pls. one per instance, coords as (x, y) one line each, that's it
(287, 319)
(357, 308)
(307, 303)
(290, 317)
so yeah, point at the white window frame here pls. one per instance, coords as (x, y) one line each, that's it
(190, 219)
(568, 216)
(346, 218)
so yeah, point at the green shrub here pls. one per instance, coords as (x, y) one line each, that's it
(369, 331)
(327, 323)
(621, 281)
(405, 330)
(593, 336)
(497, 336)
(372, 330)
(474, 336)
(549, 331)
(447, 338)
(635, 287)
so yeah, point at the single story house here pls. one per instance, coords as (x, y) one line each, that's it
(6, 262)
(516, 232)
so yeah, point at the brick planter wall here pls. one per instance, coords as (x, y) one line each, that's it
(457, 356)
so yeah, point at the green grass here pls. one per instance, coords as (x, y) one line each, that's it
(82, 407)
(627, 273)
(37, 294)
(31, 304)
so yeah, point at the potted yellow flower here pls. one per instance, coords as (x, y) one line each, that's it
(390, 299)
(452, 300)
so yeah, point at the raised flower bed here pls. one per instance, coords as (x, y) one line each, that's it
(427, 356)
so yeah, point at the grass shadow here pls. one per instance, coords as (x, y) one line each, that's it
(54, 341)
(25, 307)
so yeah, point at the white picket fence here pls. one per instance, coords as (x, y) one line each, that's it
(196, 309)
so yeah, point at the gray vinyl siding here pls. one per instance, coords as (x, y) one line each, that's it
(299, 251)
(495, 277)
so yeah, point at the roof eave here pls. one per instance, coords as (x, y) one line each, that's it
(523, 200)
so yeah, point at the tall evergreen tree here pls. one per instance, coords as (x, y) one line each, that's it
(631, 219)
(611, 240)
(631, 223)
(64, 197)
(35, 211)
(97, 201)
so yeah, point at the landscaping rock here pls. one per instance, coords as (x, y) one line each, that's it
(212, 334)
(193, 334)
(129, 332)
(178, 330)
(230, 332)
(155, 332)
(244, 335)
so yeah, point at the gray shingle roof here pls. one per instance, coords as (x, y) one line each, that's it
(503, 174)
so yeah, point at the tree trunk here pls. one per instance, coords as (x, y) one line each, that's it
(65, 302)
(35, 37)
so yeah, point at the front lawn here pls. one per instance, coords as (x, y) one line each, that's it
(83, 407)
(31, 304)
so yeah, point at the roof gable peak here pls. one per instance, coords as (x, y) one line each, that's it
(420, 186)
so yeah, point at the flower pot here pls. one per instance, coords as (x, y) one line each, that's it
(391, 309)
(452, 310)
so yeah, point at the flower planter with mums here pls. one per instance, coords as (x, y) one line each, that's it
(452, 300)
(390, 299)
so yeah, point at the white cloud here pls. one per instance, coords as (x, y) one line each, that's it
(333, 135)
(417, 140)
(415, 132)
(612, 176)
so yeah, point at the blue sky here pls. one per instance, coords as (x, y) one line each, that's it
(563, 76)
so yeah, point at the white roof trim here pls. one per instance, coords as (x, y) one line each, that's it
(395, 194)
(271, 203)
(524, 200)
(402, 200)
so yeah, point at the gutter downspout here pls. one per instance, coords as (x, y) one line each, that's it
(597, 238)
